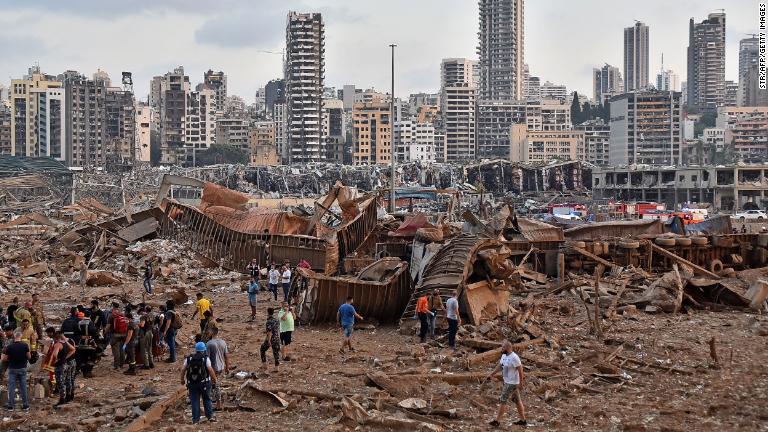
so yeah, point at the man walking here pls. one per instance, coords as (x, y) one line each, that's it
(253, 289)
(286, 318)
(454, 319)
(286, 279)
(17, 355)
(346, 316)
(197, 374)
(202, 305)
(274, 279)
(512, 373)
(147, 276)
(271, 339)
(435, 305)
(423, 312)
(219, 355)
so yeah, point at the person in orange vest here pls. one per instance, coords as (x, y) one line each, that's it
(422, 310)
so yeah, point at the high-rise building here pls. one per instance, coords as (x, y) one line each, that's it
(372, 134)
(459, 101)
(706, 63)
(606, 82)
(216, 81)
(636, 57)
(749, 56)
(304, 77)
(169, 97)
(274, 91)
(501, 49)
(646, 128)
(753, 95)
(334, 129)
(596, 141)
(199, 125)
(86, 120)
(280, 119)
(458, 70)
(348, 96)
(143, 132)
(494, 120)
(121, 124)
(38, 116)
(5, 129)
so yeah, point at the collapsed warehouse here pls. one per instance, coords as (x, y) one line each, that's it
(584, 306)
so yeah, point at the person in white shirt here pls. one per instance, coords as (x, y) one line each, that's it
(274, 279)
(286, 279)
(514, 379)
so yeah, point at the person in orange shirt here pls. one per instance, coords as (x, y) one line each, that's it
(422, 310)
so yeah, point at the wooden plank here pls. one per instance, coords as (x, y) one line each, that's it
(156, 412)
(679, 259)
(593, 257)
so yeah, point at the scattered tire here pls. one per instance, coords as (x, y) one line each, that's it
(665, 241)
(716, 266)
(699, 240)
(629, 244)
(682, 241)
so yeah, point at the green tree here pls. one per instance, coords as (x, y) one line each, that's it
(576, 114)
(586, 111)
(221, 154)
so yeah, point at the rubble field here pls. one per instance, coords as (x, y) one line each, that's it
(648, 372)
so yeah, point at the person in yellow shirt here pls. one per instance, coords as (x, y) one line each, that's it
(202, 306)
(28, 335)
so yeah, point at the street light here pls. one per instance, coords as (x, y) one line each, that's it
(392, 133)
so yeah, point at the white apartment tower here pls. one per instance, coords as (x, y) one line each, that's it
(304, 76)
(606, 82)
(501, 49)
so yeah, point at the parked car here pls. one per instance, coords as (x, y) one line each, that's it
(751, 214)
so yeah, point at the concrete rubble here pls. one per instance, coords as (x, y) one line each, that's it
(619, 324)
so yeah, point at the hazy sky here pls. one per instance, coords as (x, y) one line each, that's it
(565, 39)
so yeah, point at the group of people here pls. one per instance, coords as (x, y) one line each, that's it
(430, 307)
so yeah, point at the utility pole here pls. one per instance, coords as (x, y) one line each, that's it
(392, 134)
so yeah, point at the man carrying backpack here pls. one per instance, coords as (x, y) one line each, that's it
(117, 326)
(197, 374)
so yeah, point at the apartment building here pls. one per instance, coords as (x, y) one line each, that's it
(460, 102)
(501, 49)
(235, 132)
(494, 120)
(263, 151)
(645, 128)
(334, 129)
(121, 124)
(5, 130)
(199, 125)
(596, 141)
(548, 115)
(749, 57)
(304, 78)
(551, 91)
(458, 70)
(544, 146)
(168, 97)
(372, 134)
(216, 81)
(143, 132)
(38, 116)
(414, 141)
(606, 82)
(86, 120)
(706, 63)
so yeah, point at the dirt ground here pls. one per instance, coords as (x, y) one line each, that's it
(682, 390)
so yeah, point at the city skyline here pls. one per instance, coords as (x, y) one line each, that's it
(235, 40)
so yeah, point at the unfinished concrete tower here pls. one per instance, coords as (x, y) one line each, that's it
(501, 49)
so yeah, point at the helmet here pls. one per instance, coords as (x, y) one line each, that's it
(200, 347)
(80, 315)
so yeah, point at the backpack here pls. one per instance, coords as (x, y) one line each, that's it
(197, 371)
(177, 323)
(120, 324)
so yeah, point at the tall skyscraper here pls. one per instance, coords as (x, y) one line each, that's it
(636, 57)
(606, 82)
(121, 124)
(458, 101)
(748, 57)
(168, 99)
(304, 76)
(706, 63)
(501, 49)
